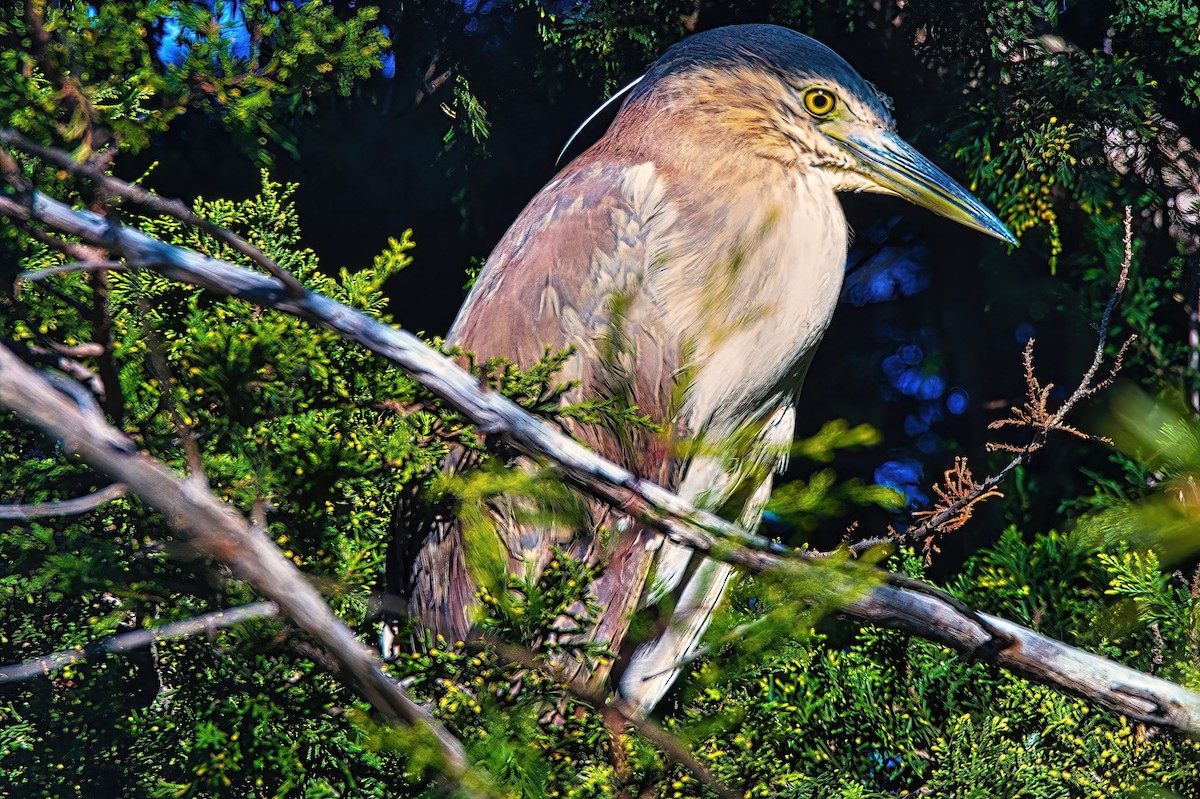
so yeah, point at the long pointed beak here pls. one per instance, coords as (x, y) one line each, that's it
(897, 168)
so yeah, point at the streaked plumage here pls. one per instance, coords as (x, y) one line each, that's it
(693, 256)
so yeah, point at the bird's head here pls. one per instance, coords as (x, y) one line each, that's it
(783, 95)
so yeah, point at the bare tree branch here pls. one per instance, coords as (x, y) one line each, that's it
(64, 507)
(927, 612)
(126, 642)
(153, 202)
(214, 528)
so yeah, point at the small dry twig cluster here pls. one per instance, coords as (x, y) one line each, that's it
(961, 494)
(957, 498)
(1035, 415)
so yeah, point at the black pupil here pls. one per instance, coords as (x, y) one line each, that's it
(820, 101)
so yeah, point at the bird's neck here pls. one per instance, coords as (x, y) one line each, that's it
(754, 298)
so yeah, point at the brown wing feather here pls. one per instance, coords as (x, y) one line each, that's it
(573, 271)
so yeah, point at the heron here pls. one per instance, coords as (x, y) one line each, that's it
(692, 258)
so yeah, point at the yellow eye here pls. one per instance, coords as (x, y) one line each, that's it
(820, 102)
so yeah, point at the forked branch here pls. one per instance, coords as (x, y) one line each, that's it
(63, 507)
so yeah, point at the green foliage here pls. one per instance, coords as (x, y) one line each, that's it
(532, 497)
(321, 435)
(95, 74)
(610, 36)
(869, 713)
(1153, 507)
(1044, 112)
(1169, 25)
(285, 416)
(804, 504)
(1049, 584)
(834, 436)
(474, 118)
(519, 723)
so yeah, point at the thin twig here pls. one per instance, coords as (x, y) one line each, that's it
(74, 266)
(1032, 416)
(67, 300)
(1088, 386)
(162, 371)
(137, 639)
(605, 702)
(72, 249)
(153, 202)
(105, 335)
(65, 507)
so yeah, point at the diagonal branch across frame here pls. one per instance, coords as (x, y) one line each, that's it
(193, 511)
(899, 603)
